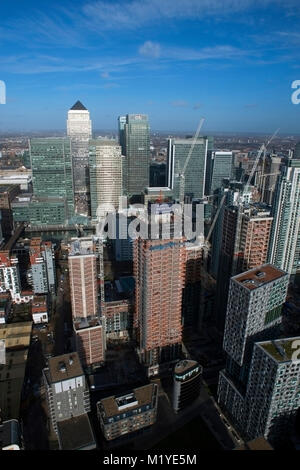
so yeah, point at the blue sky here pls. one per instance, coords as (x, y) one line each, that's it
(231, 61)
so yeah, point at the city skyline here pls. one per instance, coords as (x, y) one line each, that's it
(233, 63)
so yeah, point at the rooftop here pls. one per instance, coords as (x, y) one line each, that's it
(16, 335)
(64, 367)
(78, 106)
(282, 350)
(138, 397)
(184, 366)
(260, 276)
(76, 433)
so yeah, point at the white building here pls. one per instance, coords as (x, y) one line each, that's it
(105, 176)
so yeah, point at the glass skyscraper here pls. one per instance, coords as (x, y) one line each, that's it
(195, 174)
(135, 142)
(284, 249)
(51, 164)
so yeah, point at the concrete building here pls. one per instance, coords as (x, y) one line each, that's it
(88, 325)
(136, 135)
(186, 384)
(128, 413)
(284, 250)
(7, 195)
(17, 337)
(159, 269)
(42, 271)
(245, 240)
(253, 314)
(79, 129)
(66, 388)
(118, 319)
(83, 274)
(105, 167)
(268, 407)
(254, 309)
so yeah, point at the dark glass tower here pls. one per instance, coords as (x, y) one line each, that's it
(136, 143)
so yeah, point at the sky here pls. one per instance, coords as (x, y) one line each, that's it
(231, 62)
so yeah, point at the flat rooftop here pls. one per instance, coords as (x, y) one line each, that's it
(184, 366)
(76, 433)
(138, 397)
(66, 366)
(257, 277)
(282, 350)
(16, 335)
(11, 383)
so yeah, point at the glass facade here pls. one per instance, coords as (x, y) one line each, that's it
(51, 164)
(195, 173)
(137, 148)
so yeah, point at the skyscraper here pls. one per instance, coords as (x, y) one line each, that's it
(221, 163)
(105, 163)
(52, 176)
(284, 250)
(137, 152)
(79, 129)
(89, 330)
(159, 268)
(253, 314)
(83, 279)
(245, 240)
(195, 174)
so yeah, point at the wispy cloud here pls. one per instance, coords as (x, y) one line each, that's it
(134, 14)
(150, 49)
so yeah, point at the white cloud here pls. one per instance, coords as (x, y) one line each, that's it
(150, 49)
(135, 13)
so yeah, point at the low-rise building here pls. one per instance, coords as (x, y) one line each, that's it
(186, 383)
(66, 388)
(127, 413)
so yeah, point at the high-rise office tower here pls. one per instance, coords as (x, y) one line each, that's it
(195, 173)
(253, 314)
(137, 152)
(268, 178)
(105, 163)
(221, 163)
(52, 176)
(42, 266)
(245, 240)
(284, 250)
(159, 268)
(79, 129)
(66, 388)
(121, 125)
(89, 331)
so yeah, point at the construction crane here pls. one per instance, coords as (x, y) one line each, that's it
(182, 173)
